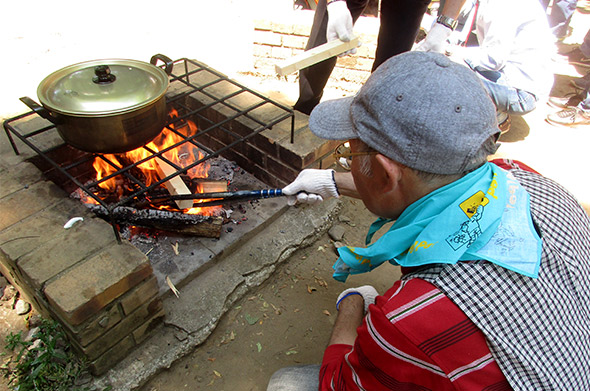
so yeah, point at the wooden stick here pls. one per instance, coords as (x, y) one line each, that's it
(175, 185)
(315, 55)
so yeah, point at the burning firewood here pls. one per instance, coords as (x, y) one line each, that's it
(204, 185)
(188, 224)
(175, 185)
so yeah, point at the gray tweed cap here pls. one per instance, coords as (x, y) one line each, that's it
(420, 109)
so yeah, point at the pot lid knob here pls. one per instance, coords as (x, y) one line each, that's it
(103, 75)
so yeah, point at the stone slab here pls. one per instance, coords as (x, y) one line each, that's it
(30, 233)
(63, 251)
(18, 177)
(27, 202)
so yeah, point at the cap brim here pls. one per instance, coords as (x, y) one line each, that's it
(331, 120)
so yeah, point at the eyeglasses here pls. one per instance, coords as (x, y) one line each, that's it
(343, 155)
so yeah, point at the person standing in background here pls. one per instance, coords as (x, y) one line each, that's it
(399, 25)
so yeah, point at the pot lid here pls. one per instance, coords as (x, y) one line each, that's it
(102, 87)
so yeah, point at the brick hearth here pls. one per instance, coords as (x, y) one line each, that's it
(105, 294)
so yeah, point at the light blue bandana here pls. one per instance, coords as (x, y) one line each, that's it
(484, 215)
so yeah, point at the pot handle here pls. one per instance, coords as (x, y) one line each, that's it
(169, 63)
(42, 111)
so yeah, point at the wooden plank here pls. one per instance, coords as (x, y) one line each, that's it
(175, 185)
(315, 55)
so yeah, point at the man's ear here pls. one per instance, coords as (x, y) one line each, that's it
(389, 173)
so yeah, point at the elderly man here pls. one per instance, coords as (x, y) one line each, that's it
(496, 263)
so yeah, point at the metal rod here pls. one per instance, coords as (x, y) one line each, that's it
(227, 195)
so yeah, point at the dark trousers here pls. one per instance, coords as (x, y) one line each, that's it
(399, 25)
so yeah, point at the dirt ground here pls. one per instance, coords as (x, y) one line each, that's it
(10, 321)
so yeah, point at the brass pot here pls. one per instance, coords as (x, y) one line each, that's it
(106, 106)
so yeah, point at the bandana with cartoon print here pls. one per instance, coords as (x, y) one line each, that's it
(484, 215)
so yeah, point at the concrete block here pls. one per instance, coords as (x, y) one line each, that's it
(122, 329)
(348, 62)
(251, 153)
(264, 67)
(263, 24)
(139, 295)
(364, 64)
(366, 51)
(111, 357)
(305, 150)
(282, 171)
(44, 141)
(261, 51)
(13, 274)
(283, 27)
(271, 179)
(295, 41)
(356, 76)
(142, 332)
(95, 326)
(89, 286)
(302, 29)
(281, 52)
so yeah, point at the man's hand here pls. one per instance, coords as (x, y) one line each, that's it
(436, 39)
(311, 186)
(339, 24)
(367, 292)
(352, 305)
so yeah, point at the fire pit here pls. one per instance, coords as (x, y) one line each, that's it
(191, 139)
(211, 117)
(248, 142)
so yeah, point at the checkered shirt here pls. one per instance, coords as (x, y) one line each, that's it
(538, 330)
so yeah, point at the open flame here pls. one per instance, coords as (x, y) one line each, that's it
(182, 156)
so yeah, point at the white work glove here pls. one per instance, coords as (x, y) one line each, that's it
(339, 24)
(311, 186)
(367, 292)
(436, 39)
